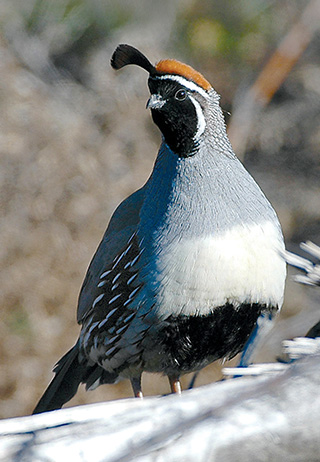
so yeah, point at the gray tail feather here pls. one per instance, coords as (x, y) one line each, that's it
(69, 374)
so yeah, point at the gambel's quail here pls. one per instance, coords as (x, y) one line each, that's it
(188, 262)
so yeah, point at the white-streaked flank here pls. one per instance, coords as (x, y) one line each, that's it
(113, 299)
(103, 275)
(97, 300)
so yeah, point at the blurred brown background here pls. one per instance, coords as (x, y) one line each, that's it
(75, 139)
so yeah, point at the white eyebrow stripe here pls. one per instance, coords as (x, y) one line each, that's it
(186, 83)
(201, 119)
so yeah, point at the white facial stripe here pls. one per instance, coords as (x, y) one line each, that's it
(201, 120)
(186, 83)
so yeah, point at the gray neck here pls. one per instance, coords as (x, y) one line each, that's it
(201, 195)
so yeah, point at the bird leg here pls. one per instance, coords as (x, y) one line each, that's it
(175, 384)
(136, 386)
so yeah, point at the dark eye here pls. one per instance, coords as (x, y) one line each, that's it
(181, 95)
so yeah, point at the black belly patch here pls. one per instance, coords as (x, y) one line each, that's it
(190, 342)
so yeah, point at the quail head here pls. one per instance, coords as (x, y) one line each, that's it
(188, 262)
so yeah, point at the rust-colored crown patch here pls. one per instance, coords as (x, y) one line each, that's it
(171, 66)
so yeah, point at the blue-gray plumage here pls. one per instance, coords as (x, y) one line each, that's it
(188, 262)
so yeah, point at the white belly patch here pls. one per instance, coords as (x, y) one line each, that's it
(242, 265)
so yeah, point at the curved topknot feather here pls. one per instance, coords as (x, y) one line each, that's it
(126, 54)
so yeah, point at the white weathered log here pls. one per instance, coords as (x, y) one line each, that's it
(256, 418)
(255, 369)
(301, 346)
(296, 348)
(312, 270)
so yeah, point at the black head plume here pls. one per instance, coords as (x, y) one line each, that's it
(126, 54)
